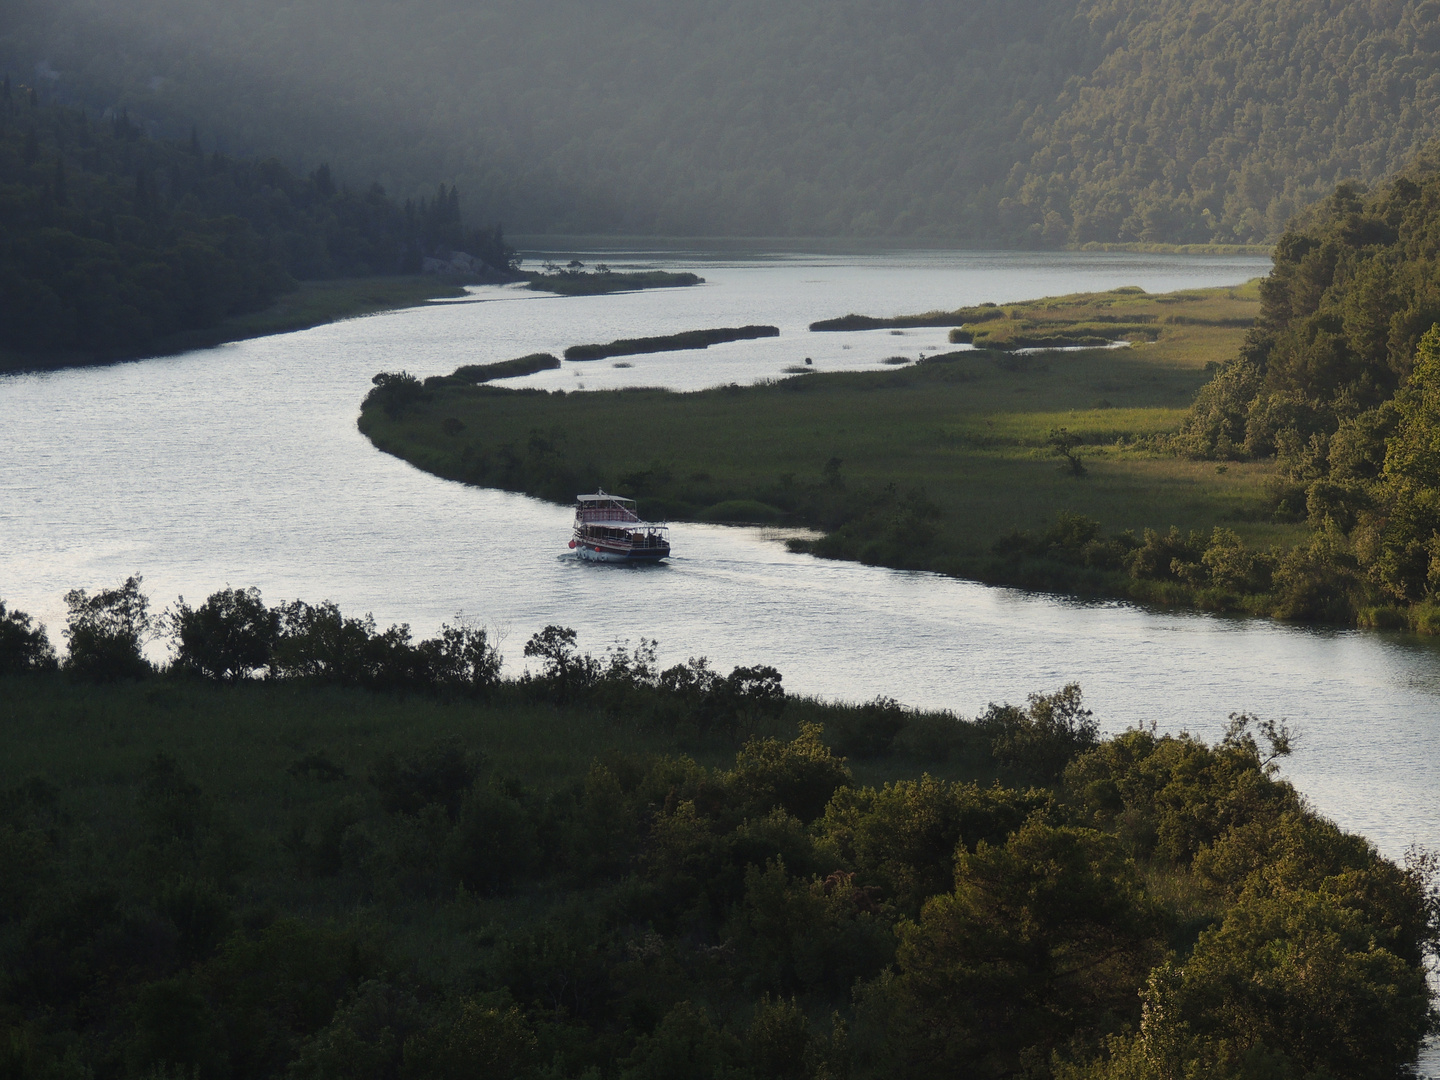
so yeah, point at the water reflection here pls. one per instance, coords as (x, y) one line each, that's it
(242, 465)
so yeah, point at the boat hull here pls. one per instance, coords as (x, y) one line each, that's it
(593, 552)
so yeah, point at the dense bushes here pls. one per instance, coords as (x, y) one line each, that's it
(1154, 907)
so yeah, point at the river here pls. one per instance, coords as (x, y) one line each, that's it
(242, 465)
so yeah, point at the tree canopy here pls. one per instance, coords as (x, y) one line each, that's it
(1340, 380)
(111, 240)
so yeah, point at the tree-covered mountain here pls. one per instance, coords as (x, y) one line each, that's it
(110, 241)
(1218, 120)
(1037, 122)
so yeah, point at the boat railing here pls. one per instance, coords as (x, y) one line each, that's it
(585, 513)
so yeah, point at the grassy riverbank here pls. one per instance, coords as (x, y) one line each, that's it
(313, 303)
(925, 466)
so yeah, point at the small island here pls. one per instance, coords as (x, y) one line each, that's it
(689, 339)
(574, 280)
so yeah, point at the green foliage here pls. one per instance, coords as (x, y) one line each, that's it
(1039, 741)
(902, 838)
(317, 881)
(480, 1038)
(685, 1046)
(24, 646)
(502, 369)
(115, 242)
(1043, 936)
(799, 777)
(440, 775)
(1338, 381)
(394, 392)
(106, 633)
(229, 636)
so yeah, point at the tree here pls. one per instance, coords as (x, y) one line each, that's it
(798, 776)
(461, 658)
(24, 646)
(1064, 443)
(566, 672)
(1044, 935)
(1044, 737)
(394, 392)
(107, 633)
(227, 637)
(1410, 563)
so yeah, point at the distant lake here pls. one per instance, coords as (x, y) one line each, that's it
(242, 465)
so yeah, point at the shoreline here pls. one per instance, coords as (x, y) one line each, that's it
(585, 243)
(313, 303)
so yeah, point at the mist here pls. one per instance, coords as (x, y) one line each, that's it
(1036, 123)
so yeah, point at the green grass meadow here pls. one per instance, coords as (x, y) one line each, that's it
(970, 431)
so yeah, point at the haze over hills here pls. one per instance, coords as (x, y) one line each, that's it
(1027, 122)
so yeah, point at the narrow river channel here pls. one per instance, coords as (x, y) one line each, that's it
(242, 465)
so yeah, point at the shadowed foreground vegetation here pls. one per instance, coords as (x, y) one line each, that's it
(370, 864)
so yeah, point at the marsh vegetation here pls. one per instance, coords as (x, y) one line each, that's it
(936, 465)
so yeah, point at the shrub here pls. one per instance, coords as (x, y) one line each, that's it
(394, 392)
(226, 638)
(107, 632)
(24, 646)
(799, 776)
(441, 774)
(1041, 739)
(870, 730)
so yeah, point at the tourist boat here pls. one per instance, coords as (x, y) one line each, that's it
(607, 529)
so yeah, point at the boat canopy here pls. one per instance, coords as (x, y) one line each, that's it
(602, 497)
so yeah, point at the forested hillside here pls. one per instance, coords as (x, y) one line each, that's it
(1340, 381)
(1039, 122)
(110, 241)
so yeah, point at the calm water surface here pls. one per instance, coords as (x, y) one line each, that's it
(242, 465)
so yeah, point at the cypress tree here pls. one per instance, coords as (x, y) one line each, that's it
(62, 193)
(32, 147)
